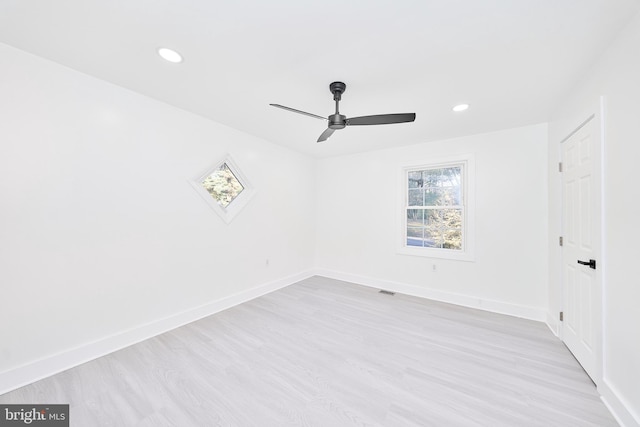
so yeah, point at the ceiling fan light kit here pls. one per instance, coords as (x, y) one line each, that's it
(339, 121)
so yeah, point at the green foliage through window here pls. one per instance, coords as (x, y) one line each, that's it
(435, 208)
(223, 185)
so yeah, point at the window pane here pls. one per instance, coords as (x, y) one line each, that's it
(432, 222)
(433, 217)
(448, 196)
(432, 238)
(415, 227)
(452, 219)
(431, 177)
(443, 228)
(450, 177)
(415, 180)
(431, 197)
(415, 236)
(415, 217)
(452, 238)
(416, 197)
(223, 185)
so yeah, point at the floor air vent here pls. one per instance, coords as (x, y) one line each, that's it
(382, 291)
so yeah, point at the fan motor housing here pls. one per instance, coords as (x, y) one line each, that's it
(337, 121)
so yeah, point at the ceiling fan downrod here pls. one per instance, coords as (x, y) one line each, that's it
(337, 120)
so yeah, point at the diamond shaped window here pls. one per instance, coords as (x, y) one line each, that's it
(225, 189)
(223, 185)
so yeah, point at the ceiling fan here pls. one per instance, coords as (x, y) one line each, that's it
(338, 121)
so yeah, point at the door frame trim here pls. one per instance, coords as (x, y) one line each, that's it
(580, 126)
(598, 118)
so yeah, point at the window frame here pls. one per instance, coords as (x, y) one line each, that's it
(227, 214)
(467, 164)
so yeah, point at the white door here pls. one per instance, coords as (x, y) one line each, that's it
(582, 294)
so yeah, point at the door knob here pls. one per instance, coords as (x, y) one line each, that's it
(591, 263)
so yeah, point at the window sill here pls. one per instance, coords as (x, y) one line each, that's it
(436, 253)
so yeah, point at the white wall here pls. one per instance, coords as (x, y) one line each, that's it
(616, 77)
(100, 231)
(357, 222)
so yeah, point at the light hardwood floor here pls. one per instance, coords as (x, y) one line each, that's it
(328, 353)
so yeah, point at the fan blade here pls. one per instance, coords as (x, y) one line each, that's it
(381, 119)
(326, 134)
(298, 111)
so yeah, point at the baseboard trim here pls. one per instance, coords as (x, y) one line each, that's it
(526, 312)
(553, 324)
(619, 408)
(51, 365)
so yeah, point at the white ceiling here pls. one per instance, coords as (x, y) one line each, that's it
(510, 59)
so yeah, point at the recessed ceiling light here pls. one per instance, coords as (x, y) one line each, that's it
(170, 55)
(460, 107)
